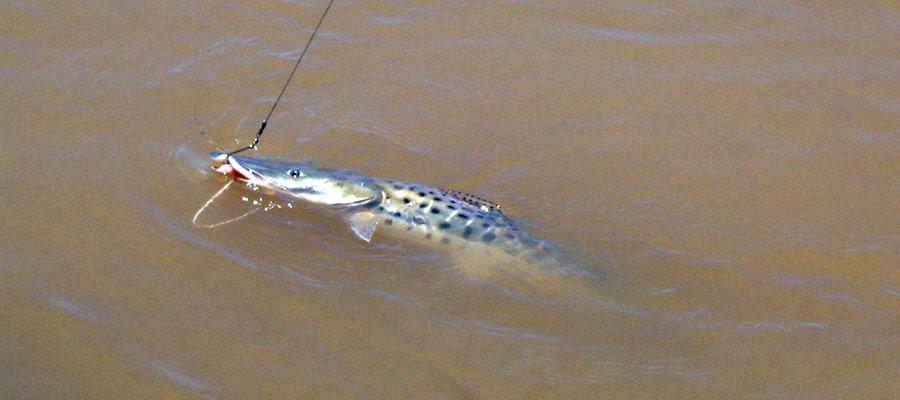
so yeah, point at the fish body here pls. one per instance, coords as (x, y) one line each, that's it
(440, 217)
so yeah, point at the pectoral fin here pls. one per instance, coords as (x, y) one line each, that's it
(363, 224)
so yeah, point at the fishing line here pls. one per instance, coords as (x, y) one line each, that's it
(262, 127)
(210, 201)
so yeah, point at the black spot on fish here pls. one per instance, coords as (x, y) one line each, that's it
(435, 210)
(437, 199)
(422, 194)
(389, 221)
(423, 205)
(405, 200)
(463, 216)
(488, 237)
(479, 216)
(451, 207)
(467, 232)
(380, 208)
(398, 187)
(444, 225)
(445, 240)
(397, 214)
(431, 193)
(486, 225)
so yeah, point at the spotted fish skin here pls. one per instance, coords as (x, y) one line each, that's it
(482, 204)
(439, 216)
(445, 217)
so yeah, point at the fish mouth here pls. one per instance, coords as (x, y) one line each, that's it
(233, 169)
(226, 165)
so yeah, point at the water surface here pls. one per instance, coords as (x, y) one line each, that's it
(730, 168)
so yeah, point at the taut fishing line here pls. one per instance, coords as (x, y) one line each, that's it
(262, 127)
(265, 120)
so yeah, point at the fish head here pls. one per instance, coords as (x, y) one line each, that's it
(306, 182)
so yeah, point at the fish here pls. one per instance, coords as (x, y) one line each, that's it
(442, 218)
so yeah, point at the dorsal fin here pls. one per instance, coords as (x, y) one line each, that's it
(475, 201)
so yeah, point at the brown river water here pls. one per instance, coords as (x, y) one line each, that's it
(730, 168)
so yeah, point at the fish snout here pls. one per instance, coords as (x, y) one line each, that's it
(227, 166)
(218, 159)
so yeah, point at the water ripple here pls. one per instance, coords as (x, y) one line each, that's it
(180, 378)
(80, 311)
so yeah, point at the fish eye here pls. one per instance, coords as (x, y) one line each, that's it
(294, 173)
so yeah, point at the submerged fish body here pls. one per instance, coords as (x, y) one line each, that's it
(443, 218)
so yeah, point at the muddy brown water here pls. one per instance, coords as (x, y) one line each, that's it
(730, 167)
